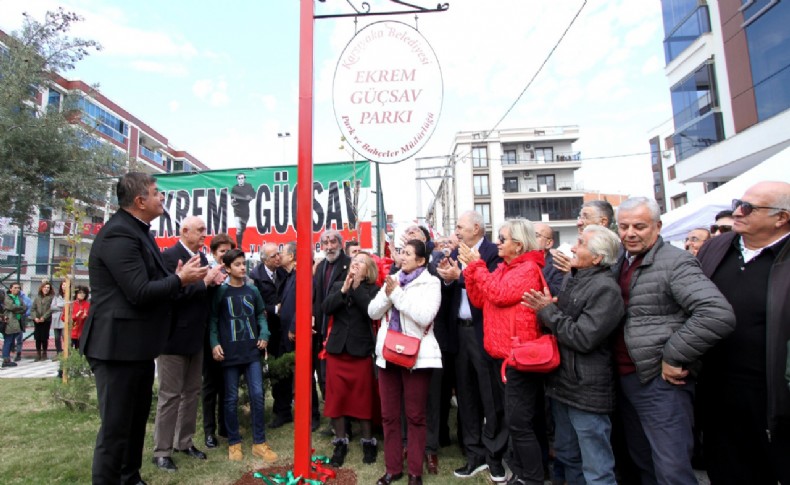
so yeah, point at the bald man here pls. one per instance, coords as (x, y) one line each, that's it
(180, 365)
(745, 399)
(545, 236)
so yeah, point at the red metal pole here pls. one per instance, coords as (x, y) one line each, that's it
(304, 248)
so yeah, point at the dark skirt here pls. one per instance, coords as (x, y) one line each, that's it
(349, 386)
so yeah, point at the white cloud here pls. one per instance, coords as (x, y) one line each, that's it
(651, 65)
(214, 92)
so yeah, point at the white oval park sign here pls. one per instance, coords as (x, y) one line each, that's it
(387, 92)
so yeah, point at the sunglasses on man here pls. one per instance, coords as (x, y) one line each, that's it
(747, 208)
(720, 228)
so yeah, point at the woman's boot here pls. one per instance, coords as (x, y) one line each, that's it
(341, 450)
(369, 451)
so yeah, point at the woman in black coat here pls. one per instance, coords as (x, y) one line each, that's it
(349, 348)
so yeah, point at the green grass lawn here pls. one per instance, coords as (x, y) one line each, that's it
(43, 442)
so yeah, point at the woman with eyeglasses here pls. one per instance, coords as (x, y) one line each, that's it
(499, 295)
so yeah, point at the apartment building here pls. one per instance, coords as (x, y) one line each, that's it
(520, 172)
(728, 67)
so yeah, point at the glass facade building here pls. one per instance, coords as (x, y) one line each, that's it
(684, 22)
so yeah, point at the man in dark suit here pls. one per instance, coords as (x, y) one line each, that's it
(333, 268)
(269, 278)
(128, 324)
(480, 391)
(180, 365)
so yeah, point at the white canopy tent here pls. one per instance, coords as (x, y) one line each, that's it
(701, 211)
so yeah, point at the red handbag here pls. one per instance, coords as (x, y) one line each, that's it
(401, 349)
(541, 355)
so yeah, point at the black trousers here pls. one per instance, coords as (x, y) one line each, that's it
(480, 394)
(737, 449)
(41, 334)
(522, 392)
(123, 389)
(212, 394)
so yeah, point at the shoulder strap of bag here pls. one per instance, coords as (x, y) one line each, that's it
(513, 316)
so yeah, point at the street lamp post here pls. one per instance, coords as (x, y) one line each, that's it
(282, 136)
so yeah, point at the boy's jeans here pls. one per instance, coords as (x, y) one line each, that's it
(254, 376)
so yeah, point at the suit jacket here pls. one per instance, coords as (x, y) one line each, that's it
(288, 310)
(320, 289)
(352, 329)
(190, 311)
(272, 293)
(132, 293)
(451, 297)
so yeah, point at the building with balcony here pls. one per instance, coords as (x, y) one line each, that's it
(34, 251)
(109, 123)
(728, 65)
(523, 172)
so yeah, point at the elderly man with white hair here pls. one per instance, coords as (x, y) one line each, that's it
(333, 268)
(586, 312)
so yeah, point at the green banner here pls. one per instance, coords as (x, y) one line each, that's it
(259, 205)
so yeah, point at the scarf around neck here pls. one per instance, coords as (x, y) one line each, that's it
(404, 279)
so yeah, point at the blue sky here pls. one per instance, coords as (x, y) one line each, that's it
(219, 79)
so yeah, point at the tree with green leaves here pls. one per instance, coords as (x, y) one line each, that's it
(46, 156)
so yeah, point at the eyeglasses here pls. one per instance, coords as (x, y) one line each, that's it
(716, 228)
(502, 239)
(747, 208)
(537, 234)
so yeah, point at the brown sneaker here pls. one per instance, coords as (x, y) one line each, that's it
(262, 450)
(234, 452)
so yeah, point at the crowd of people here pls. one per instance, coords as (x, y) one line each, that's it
(657, 352)
(45, 314)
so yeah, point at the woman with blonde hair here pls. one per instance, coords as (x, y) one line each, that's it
(504, 317)
(349, 350)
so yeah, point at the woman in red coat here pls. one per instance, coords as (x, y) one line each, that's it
(79, 313)
(499, 295)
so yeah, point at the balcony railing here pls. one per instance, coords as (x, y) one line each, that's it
(523, 158)
(151, 155)
(530, 187)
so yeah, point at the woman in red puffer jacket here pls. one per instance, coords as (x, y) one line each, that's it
(499, 295)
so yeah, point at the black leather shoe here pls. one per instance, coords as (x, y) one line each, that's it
(386, 479)
(165, 463)
(211, 441)
(415, 480)
(193, 452)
